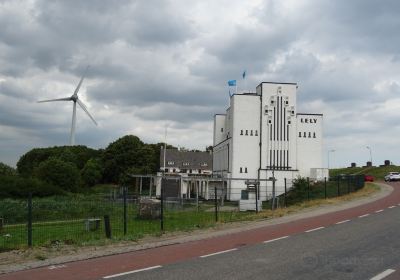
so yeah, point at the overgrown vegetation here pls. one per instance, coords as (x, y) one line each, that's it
(74, 169)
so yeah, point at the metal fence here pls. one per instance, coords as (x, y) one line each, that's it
(123, 214)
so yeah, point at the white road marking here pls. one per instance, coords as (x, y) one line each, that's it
(314, 229)
(362, 216)
(130, 272)
(382, 275)
(217, 253)
(342, 222)
(56, 266)
(392, 206)
(272, 240)
(378, 211)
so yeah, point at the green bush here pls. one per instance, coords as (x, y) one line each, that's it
(59, 173)
(91, 172)
(6, 170)
(15, 186)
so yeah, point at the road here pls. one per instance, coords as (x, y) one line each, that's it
(357, 243)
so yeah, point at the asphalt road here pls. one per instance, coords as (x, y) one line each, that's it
(360, 248)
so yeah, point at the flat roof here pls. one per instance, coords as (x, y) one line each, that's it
(277, 83)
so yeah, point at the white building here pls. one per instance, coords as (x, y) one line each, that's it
(261, 134)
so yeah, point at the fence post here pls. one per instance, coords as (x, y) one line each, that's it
(125, 214)
(162, 206)
(107, 226)
(216, 204)
(348, 184)
(338, 185)
(256, 190)
(308, 188)
(325, 186)
(30, 220)
(285, 193)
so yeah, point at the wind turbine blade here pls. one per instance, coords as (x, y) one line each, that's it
(80, 82)
(86, 110)
(58, 99)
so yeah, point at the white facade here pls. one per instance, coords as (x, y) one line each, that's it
(261, 134)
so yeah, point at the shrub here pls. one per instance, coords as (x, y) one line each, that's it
(91, 172)
(59, 173)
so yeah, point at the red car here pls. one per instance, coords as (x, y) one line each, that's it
(368, 178)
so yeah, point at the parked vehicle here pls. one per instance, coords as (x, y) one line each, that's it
(368, 178)
(392, 176)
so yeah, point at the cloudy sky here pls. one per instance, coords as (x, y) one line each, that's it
(156, 63)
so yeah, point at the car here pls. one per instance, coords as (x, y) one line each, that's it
(392, 176)
(368, 178)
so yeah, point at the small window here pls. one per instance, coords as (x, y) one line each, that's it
(314, 135)
(256, 133)
(299, 134)
(174, 170)
(190, 171)
(222, 129)
(269, 121)
(247, 132)
(245, 170)
(272, 102)
(309, 135)
(199, 171)
(289, 122)
(251, 132)
(287, 102)
(241, 170)
(241, 132)
(305, 134)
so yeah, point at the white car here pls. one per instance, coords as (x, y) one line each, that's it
(392, 176)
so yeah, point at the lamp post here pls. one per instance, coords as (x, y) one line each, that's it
(370, 154)
(330, 151)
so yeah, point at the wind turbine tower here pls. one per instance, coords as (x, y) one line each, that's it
(74, 98)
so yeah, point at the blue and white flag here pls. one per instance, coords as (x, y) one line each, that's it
(232, 83)
(244, 74)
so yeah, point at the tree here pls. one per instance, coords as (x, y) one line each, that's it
(59, 173)
(92, 172)
(7, 170)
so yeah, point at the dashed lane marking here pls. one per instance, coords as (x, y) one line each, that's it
(272, 240)
(378, 211)
(217, 253)
(363, 216)
(383, 274)
(314, 229)
(342, 222)
(130, 272)
(392, 206)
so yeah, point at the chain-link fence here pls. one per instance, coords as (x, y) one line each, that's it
(125, 214)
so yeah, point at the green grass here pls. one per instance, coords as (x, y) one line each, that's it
(378, 172)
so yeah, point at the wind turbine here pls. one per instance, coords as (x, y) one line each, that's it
(75, 99)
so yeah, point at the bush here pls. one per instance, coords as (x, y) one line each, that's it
(91, 172)
(15, 186)
(59, 173)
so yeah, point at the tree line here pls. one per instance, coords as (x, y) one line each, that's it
(57, 170)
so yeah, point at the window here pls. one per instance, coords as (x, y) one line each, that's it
(299, 134)
(256, 132)
(199, 171)
(190, 171)
(245, 170)
(269, 121)
(241, 132)
(251, 132)
(305, 134)
(247, 132)
(222, 129)
(287, 102)
(171, 163)
(185, 164)
(174, 170)
(314, 135)
(241, 170)
(309, 135)
(289, 122)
